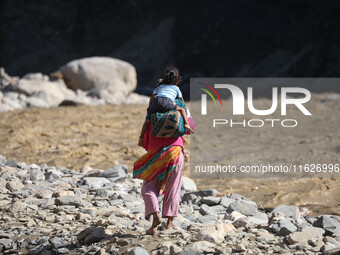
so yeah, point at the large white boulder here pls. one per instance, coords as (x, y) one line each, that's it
(105, 77)
(39, 86)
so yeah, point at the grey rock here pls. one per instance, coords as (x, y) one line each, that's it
(37, 85)
(236, 196)
(12, 163)
(137, 251)
(18, 206)
(5, 108)
(115, 172)
(95, 182)
(3, 160)
(292, 212)
(102, 193)
(247, 208)
(210, 200)
(91, 235)
(47, 203)
(311, 219)
(188, 185)
(207, 218)
(185, 209)
(7, 243)
(201, 193)
(69, 200)
(329, 224)
(107, 78)
(206, 210)
(14, 185)
(52, 175)
(258, 219)
(127, 197)
(36, 102)
(57, 242)
(226, 201)
(219, 209)
(283, 227)
(36, 175)
(34, 166)
(192, 217)
(314, 231)
(63, 251)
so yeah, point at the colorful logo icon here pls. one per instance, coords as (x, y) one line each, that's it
(209, 93)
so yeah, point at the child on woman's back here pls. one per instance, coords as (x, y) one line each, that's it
(163, 97)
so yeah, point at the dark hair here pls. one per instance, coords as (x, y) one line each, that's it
(171, 76)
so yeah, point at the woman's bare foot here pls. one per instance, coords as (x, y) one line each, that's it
(140, 142)
(187, 126)
(169, 224)
(156, 221)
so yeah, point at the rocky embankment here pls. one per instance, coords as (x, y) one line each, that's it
(91, 81)
(55, 210)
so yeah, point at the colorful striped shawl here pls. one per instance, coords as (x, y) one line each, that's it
(157, 163)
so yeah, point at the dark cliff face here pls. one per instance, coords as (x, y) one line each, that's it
(242, 38)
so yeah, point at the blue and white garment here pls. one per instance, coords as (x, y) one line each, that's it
(169, 91)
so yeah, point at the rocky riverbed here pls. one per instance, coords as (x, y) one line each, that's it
(55, 210)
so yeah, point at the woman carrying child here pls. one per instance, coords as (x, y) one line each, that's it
(162, 166)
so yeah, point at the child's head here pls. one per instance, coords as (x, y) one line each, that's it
(171, 76)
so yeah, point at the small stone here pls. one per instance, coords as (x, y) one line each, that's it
(219, 209)
(283, 227)
(259, 219)
(63, 251)
(85, 169)
(83, 216)
(206, 210)
(200, 193)
(329, 224)
(115, 172)
(7, 243)
(215, 233)
(57, 242)
(207, 218)
(12, 163)
(292, 212)
(210, 200)
(226, 201)
(18, 206)
(240, 247)
(95, 182)
(188, 185)
(91, 235)
(298, 237)
(137, 251)
(314, 231)
(100, 222)
(69, 200)
(247, 208)
(52, 175)
(235, 215)
(63, 193)
(198, 248)
(36, 175)
(185, 209)
(2, 158)
(14, 185)
(48, 203)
